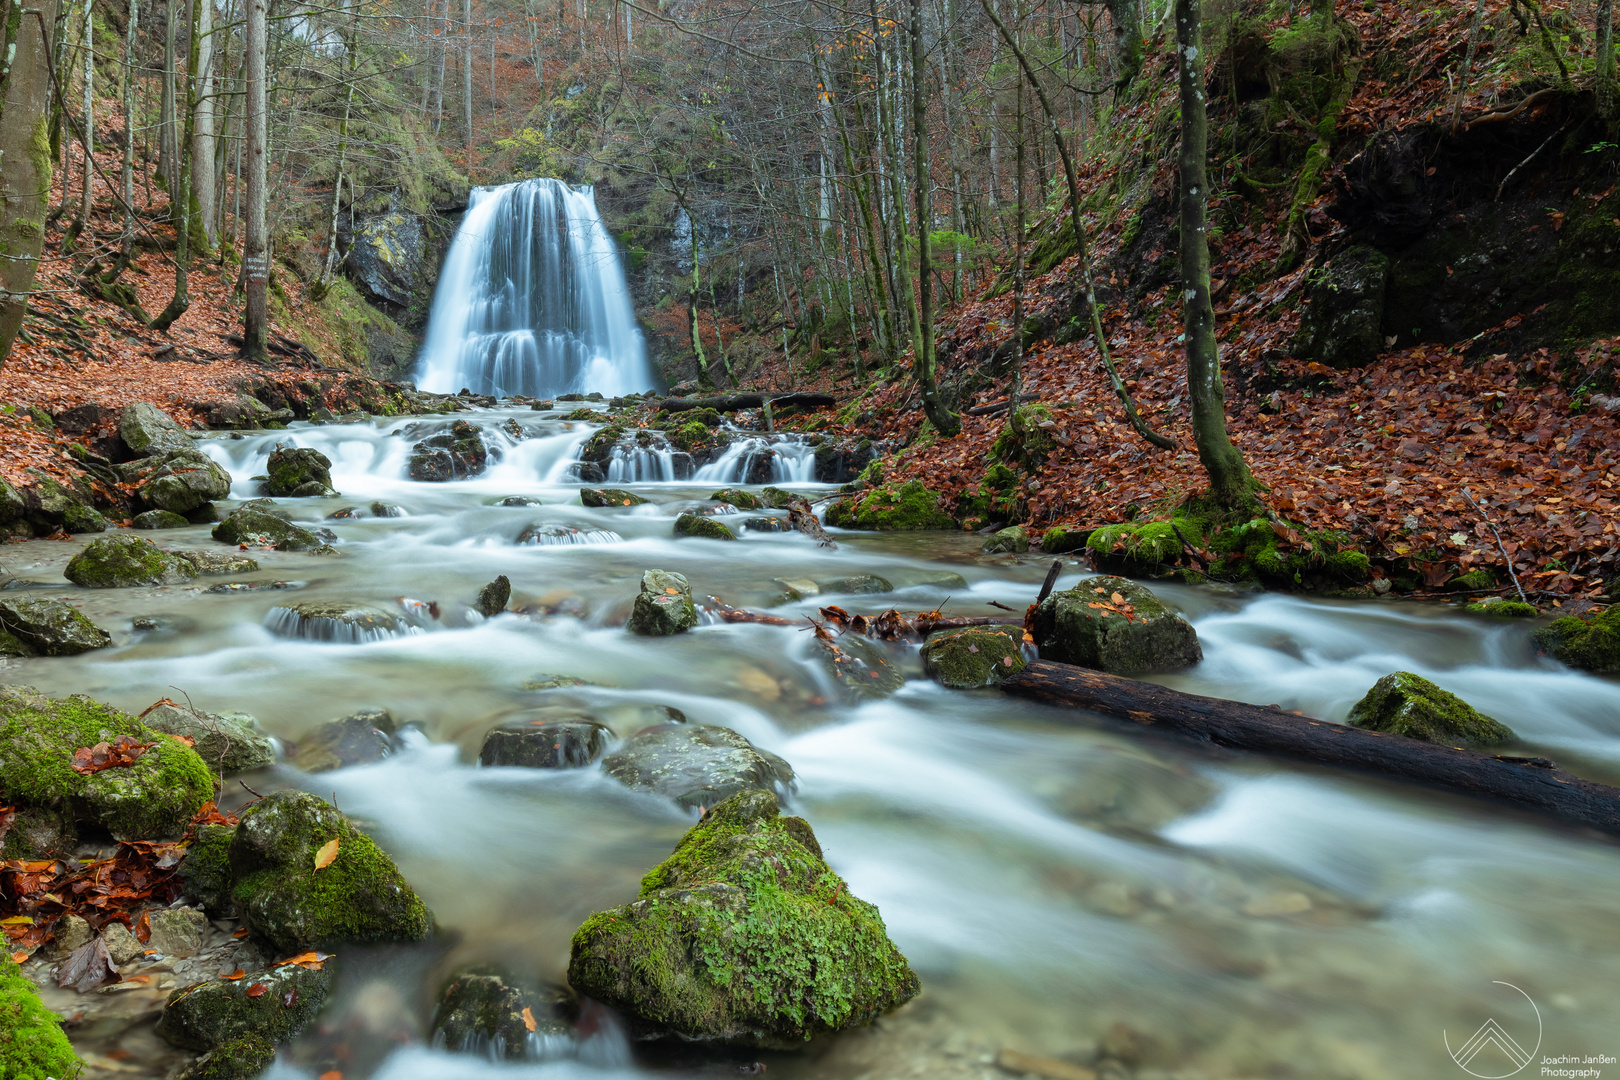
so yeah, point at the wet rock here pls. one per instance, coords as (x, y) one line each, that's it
(273, 1004)
(1011, 539)
(855, 583)
(243, 413)
(1344, 310)
(1060, 540)
(116, 562)
(386, 257)
(229, 742)
(293, 469)
(695, 764)
(1591, 644)
(492, 598)
(489, 1014)
(147, 431)
(184, 481)
(50, 627)
(121, 945)
(452, 455)
(609, 497)
(382, 509)
(68, 934)
(742, 500)
(776, 498)
(32, 1044)
(178, 932)
(859, 668)
(284, 899)
(839, 461)
(767, 524)
(1405, 704)
(1502, 609)
(550, 534)
(546, 744)
(356, 739)
(259, 528)
(713, 949)
(906, 578)
(335, 621)
(53, 505)
(158, 519)
(905, 506)
(707, 528)
(664, 605)
(214, 563)
(241, 1058)
(519, 500)
(547, 681)
(974, 657)
(1085, 625)
(205, 871)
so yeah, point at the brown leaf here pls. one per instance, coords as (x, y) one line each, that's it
(257, 990)
(528, 1019)
(328, 852)
(89, 966)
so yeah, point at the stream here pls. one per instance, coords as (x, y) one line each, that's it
(1065, 888)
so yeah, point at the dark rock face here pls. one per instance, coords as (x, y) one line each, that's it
(492, 598)
(274, 1004)
(260, 528)
(294, 469)
(546, 744)
(452, 455)
(386, 256)
(361, 737)
(841, 461)
(696, 764)
(46, 627)
(492, 1015)
(1344, 312)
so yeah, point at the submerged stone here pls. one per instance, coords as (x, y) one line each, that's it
(743, 935)
(551, 534)
(292, 468)
(1402, 703)
(696, 765)
(609, 497)
(260, 528)
(219, 562)
(357, 739)
(974, 657)
(855, 583)
(707, 528)
(273, 1004)
(335, 621)
(116, 562)
(859, 668)
(664, 605)
(1590, 644)
(546, 744)
(1012, 539)
(492, 1015)
(1136, 633)
(158, 519)
(50, 627)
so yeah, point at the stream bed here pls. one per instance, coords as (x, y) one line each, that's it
(1065, 888)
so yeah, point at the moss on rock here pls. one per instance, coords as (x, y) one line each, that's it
(664, 605)
(743, 935)
(259, 528)
(1060, 540)
(973, 658)
(1590, 644)
(1503, 609)
(1026, 438)
(1134, 633)
(158, 519)
(742, 500)
(1402, 703)
(1147, 549)
(609, 497)
(32, 1045)
(116, 562)
(49, 627)
(220, 1012)
(206, 869)
(491, 1014)
(907, 506)
(706, 528)
(1013, 539)
(240, 1058)
(1255, 550)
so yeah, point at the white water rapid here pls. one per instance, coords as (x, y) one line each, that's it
(532, 300)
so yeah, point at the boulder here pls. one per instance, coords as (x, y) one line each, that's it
(1012, 539)
(184, 481)
(288, 898)
(241, 1058)
(116, 562)
(859, 668)
(229, 742)
(56, 506)
(452, 455)
(860, 584)
(598, 449)
(767, 523)
(13, 507)
(841, 460)
(356, 739)
(695, 764)
(242, 413)
(1060, 540)
(386, 257)
(975, 657)
(1405, 704)
(121, 945)
(664, 605)
(493, 598)
(1114, 625)
(259, 528)
(776, 498)
(907, 506)
(205, 871)
(707, 528)
(158, 519)
(48, 627)
(1591, 644)
(335, 621)
(490, 1014)
(219, 562)
(550, 534)
(387, 510)
(742, 500)
(153, 796)
(546, 744)
(178, 932)
(147, 431)
(743, 935)
(293, 469)
(1342, 326)
(273, 1004)
(32, 1044)
(609, 497)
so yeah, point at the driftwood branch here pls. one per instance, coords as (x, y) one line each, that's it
(1529, 783)
(734, 402)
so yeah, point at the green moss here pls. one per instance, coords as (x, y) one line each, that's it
(1472, 581)
(907, 506)
(1254, 550)
(742, 500)
(206, 869)
(1023, 441)
(239, 1059)
(1060, 540)
(690, 436)
(1084, 625)
(1013, 539)
(1503, 609)
(973, 658)
(584, 413)
(1590, 644)
(1148, 549)
(599, 447)
(32, 1046)
(1405, 704)
(121, 561)
(707, 528)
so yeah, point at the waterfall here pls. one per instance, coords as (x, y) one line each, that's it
(532, 300)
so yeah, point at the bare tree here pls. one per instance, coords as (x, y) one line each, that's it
(256, 253)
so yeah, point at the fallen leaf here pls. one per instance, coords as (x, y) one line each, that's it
(235, 975)
(333, 1075)
(18, 957)
(528, 1019)
(1118, 599)
(18, 920)
(89, 966)
(240, 932)
(328, 851)
(257, 990)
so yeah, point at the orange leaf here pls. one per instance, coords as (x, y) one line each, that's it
(235, 975)
(1117, 599)
(328, 852)
(18, 957)
(240, 932)
(528, 1018)
(333, 1075)
(257, 989)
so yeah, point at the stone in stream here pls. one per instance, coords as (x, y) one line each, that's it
(241, 1058)
(492, 598)
(149, 432)
(548, 681)
(121, 945)
(550, 534)
(288, 896)
(1134, 634)
(46, 627)
(260, 528)
(298, 471)
(974, 657)
(492, 1015)
(219, 562)
(855, 583)
(1059, 540)
(1402, 703)
(356, 739)
(715, 949)
(546, 744)
(229, 742)
(32, 1044)
(1012, 539)
(1591, 644)
(183, 481)
(273, 1005)
(451, 455)
(348, 513)
(707, 528)
(205, 870)
(382, 509)
(335, 621)
(121, 561)
(178, 932)
(858, 668)
(742, 500)
(158, 519)
(51, 505)
(519, 500)
(695, 764)
(609, 497)
(664, 605)
(765, 523)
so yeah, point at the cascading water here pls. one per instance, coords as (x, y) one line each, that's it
(532, 300)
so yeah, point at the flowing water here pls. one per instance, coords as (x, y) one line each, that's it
(1064, 887)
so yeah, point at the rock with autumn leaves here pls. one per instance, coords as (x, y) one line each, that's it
(1113, 624)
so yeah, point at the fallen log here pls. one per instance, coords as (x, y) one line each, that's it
(733, 402)
(1527, 782)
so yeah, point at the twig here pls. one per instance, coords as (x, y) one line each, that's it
(1505, 558)
(1003, 607)
(1189, 548)
(1526, 161)
(1051, 580)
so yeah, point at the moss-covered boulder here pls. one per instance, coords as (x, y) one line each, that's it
(1282, 556)
(692, 436)
(284, 895)
(158, 519)
(1011, 540)
(703, 527)
(775, 498)
(154, 797)
(241, 1058)
(296, 470)
(742, 500)
(975, 657)
(256, 527)
(273, 1005)
(121, 561)
(695, 764)
(149, 432)
(598, 449)
(1026, 439)
(230, 742)
(1405, 704)
(205, 871)
(664, 605)
(1114, 625)
(1497, 607)
(32, 1045)
(907, 506)
(184, 481)
(1061, 539)
(743, 935)
(54, 505)
(1592, 644)
(451, 455)
(546, 744)
(47, 627)
(494, 1015)
(598, 497)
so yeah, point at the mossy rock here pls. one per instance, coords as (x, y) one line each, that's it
(241, 1058)
(1405, 704)
(54, 504)
(585, 413)
(122, 561)
(1023, 440)
(1147, 549)
(664, 605)
(974, 657)
(1085, 625)
(49, 627)
(183, 481)
(901, 507)
(1472, 581)
(149, 432)
(450, 455)
(205, 871)
(260, 528)
(285, 900)
(32, 1045)
(743, 935)
(598, 497)
(697, 765)
(1253, 551)
(229, 742)
(1014, 539)
(491, 1014)
(1590, 644)
(1060, 540)
(549, 744)
(690, 436)
(995, 499)
(154, 798)
(742, 500)
(158, 519)
(707, 528)
(598, 449)
(273, 1005)
(1499, 608)
(775, 498)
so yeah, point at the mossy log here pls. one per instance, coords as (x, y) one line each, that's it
(733, 402)
(1534, 784)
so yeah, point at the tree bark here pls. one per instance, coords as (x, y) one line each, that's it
(89, 118)
(180, 201)
(1529, 783)
(25, 149)
(256, 253)
(168, 145)
(202, 139)
(467, 75)
(945, 422)
(1605, 56)
(127, 178)
(351, 45)
(1126, 15)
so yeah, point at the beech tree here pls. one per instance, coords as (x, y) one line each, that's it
(25, 168)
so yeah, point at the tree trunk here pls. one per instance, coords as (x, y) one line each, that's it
(351, 45)
(1605, 56)
(89, 117)
(1126, 16)
(25, 182)
(256, 253)
(168, 146)
(945, 422)
(127, 178)
(1017, 388)
(180, 203)
(467, 75)
(1230, 484)
(202, 140)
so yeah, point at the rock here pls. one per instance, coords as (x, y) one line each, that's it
(1344, 310)
(492, 598)
(905, 506)
(452, 455)
(609, 497)
(386, 257)
(707, 528)
(840, 461)
(259, 528)
(230, 742)
(32, 1045)
(158, 519)
(241, 413)
(974, 657)
(695, 764)
(859, 668)
(12, 505)
(205, 871)
(1405, 704)
(1011, 539)
(776, 498)
(57, 506)
(184, 481)
(121, 945)
(664, 605)
(116, 562)
(907, 578)
(1590, 644)
(767, 524)
(294, 467)
(548, 681)
(551, 534)
(382, 509)
(519, 500)
(488, 1014)
(153, 798)
(283, 898)
(1502, 608)
(68, 934)
(178, 932)
(148, 431)
(744, 935)
(742, 500)
(273, 1004)
(356, 739)
(335, 621)
(1059, 540)
(241, 1058)
(50, 627)
(79, 419)
(548, 744)
(861, 584)
(219, 562)
(1150, 637)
